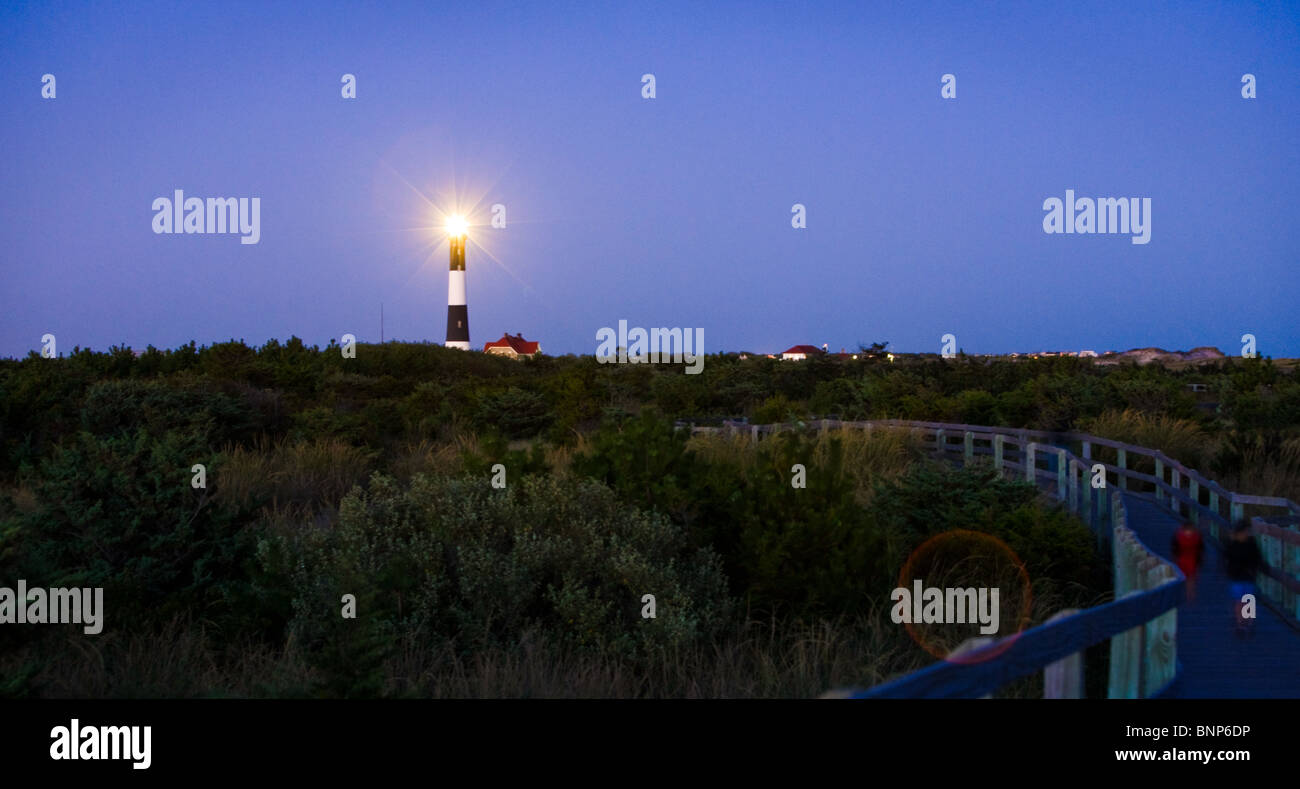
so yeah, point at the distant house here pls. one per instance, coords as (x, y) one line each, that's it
(798, 352)
(513, 346)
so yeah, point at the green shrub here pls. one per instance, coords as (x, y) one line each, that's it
(493, 449)
(777, 408)
(118, 407)
(840, 396)
(517, 413)
(324, 422)
(647, 462)
(119, 512)
(931, 499)
(804, 550)
(976, 407)
(456, 559)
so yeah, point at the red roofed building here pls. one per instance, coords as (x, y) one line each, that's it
(801, 352)
(512, 346)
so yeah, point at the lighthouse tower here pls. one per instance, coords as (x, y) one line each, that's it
(457, 310)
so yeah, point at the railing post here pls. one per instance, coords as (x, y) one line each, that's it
(1122, 462)
(1103, 522)
(1194, 490)
(1074, 486)
(1175, 482)
(970, 645)
(1060, 475)
(1064, 678)
(1126, 647)
(1272, 550)
(1121, 586)
(998, 442)
(970, 447)
(939, 440)
(1126, 662)
(1214, 507)
(1087, 491)
(1289, 566)
(1275, 553)
(1160, 478)
(1087, 450)
(1159, 643)
(1286, 564)
(1238, 512)
(1031, 467)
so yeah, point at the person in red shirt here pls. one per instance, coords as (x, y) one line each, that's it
(1188, 550)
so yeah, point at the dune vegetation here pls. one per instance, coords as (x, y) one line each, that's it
(498, 524)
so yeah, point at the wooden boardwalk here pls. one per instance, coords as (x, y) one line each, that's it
(1216, 663)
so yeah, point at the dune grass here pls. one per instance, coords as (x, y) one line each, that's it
(869, 456)
(770, 658)
(315, 474)
(1180, 439)
(1264, 473)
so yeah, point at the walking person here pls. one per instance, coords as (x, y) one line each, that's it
(1188, 551)
(1242, 561)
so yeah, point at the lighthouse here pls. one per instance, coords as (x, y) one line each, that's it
(457, 310)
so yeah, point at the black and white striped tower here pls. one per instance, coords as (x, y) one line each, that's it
(457, 310)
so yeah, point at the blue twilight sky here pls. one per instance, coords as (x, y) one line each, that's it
(924, 215)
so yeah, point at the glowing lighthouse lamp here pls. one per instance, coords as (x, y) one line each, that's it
(457, 311)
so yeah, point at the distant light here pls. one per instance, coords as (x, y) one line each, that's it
(456, 225)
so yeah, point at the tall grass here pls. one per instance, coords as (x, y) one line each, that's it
(1264, 473)
(758, 659)
(22, 495)
(560, 457)
(424, 456)
(310, 474)
(1180, 439)
(772, 658)
(869, 456)
(178, 659)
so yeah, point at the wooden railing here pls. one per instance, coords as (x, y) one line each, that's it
(1141, 621)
